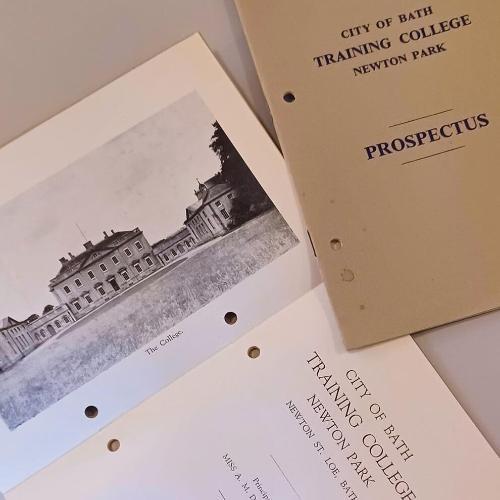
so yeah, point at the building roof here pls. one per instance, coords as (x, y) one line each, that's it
(8, 322)
(91, 253)
(207, 192)
(171, 240)
(193, 209)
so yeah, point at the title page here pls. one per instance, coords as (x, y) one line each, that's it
(388, 116)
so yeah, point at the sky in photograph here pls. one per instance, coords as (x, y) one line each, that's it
(143, 178)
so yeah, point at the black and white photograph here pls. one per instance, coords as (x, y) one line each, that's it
(120, 246)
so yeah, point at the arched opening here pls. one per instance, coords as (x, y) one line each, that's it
(51, 330)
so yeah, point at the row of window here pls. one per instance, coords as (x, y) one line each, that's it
(100, 287)
(57, 324)
(16, 329)
(221, 208)
(180, 249)
(104, 268)
(19, 340)
(201, 229)
(22, 340)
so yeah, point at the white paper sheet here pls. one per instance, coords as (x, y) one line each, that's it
(243, 428)
(135, 154)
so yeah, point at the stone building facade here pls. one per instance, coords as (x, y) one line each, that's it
(210, 216)
(15, 341)
(20, 338)
(54, 320)
(103, 271)
(175, 246)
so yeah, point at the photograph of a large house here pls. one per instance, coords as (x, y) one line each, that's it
(109, 267)
(176, 218)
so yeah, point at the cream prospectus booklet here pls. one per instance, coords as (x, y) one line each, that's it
(388, 116)
(149, 226)
(286, 413)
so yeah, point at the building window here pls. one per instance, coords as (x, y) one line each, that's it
(218, 203)
(138, 267)
(78, 283)
(211, 223)
(149, 261)
(224, 213)
(165, 256)
(100, 289)
(58, 324)
(67, 289)
(91, 275)
(128, 253)
(76, 305)
(188, 244)
(88, 298)
(230, 196)
(138, 245)
(103, 267)
(174, 253)
(115, 260)
(65, 319)
(192, 241)
(124, 275)
(42, 332)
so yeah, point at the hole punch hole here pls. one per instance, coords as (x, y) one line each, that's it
(335, 244)
(91, 411)
(113, 445)
(347, 275)
(230, 318)
(253, 352)
(289, 97)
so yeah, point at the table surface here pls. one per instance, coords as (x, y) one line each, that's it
(54, 53)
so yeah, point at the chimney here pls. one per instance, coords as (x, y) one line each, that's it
(112, 231)
(88, 245)
(63, 260)
(71, 256)
(105, 234)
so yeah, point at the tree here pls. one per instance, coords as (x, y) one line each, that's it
(251, 199)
